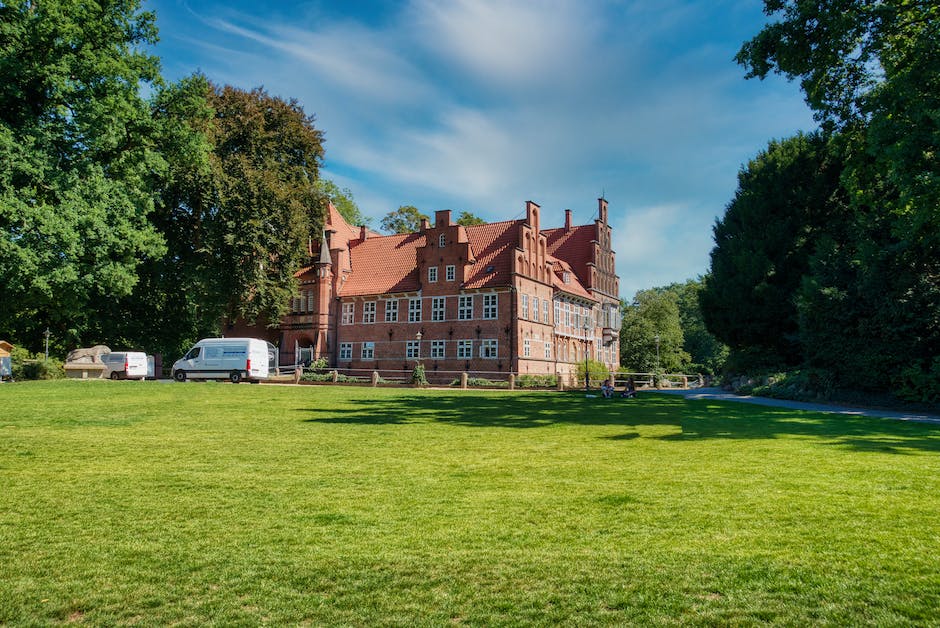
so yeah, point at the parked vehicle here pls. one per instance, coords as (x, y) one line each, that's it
(124, 365)
(234, 359)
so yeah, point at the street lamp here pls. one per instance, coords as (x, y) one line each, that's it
(656, 338)
(418, 352)
(587, 328)
(46, 334)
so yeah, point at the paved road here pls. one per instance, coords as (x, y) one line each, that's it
(718, 393)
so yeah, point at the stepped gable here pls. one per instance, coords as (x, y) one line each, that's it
(384, 265)
(574, 246)
(491, 245)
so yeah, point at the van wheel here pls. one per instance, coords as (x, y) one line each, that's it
(235, 376)
(115, 375)
(180, 376)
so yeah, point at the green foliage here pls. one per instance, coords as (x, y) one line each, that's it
(467, 219)
(343, 201)
(707, 354)
(405, 219)
(77, 161)
(537, 381)
(236, 210)
(418, 377)
(26, 365)
(920, 383)
(763, 246)
(481, 382)
(870, 307)
(653, 313)
(597, 372)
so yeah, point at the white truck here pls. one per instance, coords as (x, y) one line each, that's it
(124, 365)
(234, 359)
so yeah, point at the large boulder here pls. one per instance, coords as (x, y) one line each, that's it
(87, 355)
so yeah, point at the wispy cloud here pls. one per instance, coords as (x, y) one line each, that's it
(482, 104)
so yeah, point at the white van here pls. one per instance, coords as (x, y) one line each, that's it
(233, 359)
(124, 365)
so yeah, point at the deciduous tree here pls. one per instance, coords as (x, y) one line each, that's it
(405, 219)
(77, 162)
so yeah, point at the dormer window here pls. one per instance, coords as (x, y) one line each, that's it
(566, 277)
(441, 241)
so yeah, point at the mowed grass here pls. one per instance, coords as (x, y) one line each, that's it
(150, 503)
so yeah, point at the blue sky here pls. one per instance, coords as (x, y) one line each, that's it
(480, 105)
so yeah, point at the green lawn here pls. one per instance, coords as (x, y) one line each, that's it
(149, 503)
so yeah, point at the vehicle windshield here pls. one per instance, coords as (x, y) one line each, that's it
(193, 353)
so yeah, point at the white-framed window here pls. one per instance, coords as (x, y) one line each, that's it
(450, 272)
(545, 310)
(437, 308)
(535, 309)
(349, 310)
(566, 277)
(296, 304)
(437, 349)
(432, 274)
(345, 351)
(465, 307)
(548, 351)
(557, 313)
(309, 300)
(488, 348)
(526, 348)
(490, 303)
(577, 316)
(414, 310)
(368, 312)
(413, 349)
(391, 311)
(368, 351)
(567, 315)
(525, 306)
(465, 349)
(441, 241)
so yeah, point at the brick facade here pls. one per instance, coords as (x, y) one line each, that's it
(498, 297)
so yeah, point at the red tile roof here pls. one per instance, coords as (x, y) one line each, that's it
(575, 247)
(384, 264)
(573, 287)
(491, 245)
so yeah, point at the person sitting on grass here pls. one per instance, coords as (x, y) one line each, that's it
(629, 391)
(607, 389)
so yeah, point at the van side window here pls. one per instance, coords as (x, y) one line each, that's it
(213, 353)
(193, 353)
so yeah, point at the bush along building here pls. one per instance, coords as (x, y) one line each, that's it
(493, 298)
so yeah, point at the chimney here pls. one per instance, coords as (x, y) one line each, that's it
(425, 224)
(442, 218)
(567, 220)
(363, 233)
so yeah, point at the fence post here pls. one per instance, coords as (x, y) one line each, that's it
(375, 378)
(463, 380)
(561, 381)
(335, 376)
(512, 381)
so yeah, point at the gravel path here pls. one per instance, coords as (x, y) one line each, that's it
(718, 393)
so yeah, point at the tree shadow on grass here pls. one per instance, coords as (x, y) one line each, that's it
(695, 419)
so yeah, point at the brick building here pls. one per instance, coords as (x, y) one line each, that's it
(498, 297)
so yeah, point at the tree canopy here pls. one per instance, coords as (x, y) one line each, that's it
(77, 161)
(405, 219)
(868, 303)
(468, 219)
(343, 201)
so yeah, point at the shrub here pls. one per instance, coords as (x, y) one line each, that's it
(537, 381)
(26, 365)
(418, 377)
(481, 382)
(597, 371)
(920, 383)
